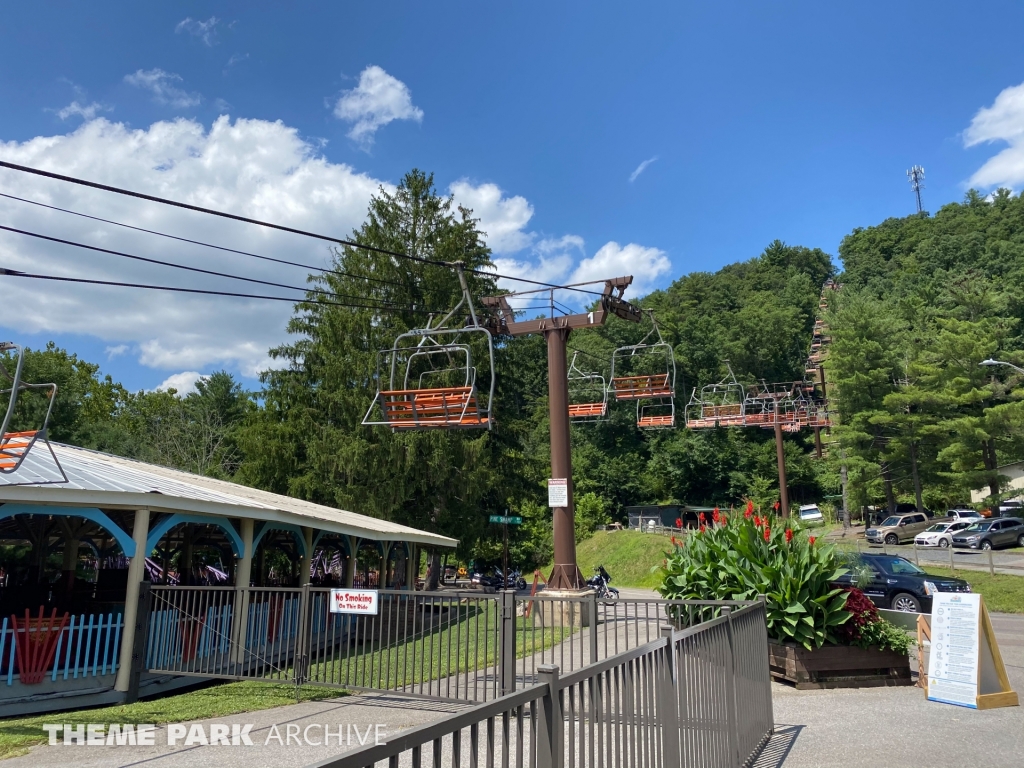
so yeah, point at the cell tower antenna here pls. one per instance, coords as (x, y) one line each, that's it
(916, 177)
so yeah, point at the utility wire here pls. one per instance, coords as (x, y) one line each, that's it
(87, 281)
(185, 267)
(205, 245)
(281, 227)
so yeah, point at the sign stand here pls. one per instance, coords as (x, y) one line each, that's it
(965, 666)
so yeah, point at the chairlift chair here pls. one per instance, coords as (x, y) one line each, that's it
(428, 378)
(15, 447)
(588, 394)
(647, 375)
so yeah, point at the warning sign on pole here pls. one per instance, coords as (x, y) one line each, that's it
(558, 492)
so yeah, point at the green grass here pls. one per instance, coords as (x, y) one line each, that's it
(1003, 593)
(628, 556)
(465, 642)
(18, 734)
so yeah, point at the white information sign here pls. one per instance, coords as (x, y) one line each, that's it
(354, 601)
(953, 662)
(558, 492)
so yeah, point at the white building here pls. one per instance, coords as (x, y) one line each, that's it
(1016, 474)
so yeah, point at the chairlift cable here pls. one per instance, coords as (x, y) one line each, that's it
(207, 292)
(280, 227)
(205, 245)
(160, 262)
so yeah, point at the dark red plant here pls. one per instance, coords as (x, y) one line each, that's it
(789, 535)
(679, 522)
(750, 510)
(767, 533)
(862, 612)
(811, 540)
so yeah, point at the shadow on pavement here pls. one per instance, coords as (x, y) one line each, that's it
(778, 747)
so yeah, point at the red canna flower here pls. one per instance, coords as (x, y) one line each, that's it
(702, 518)
(776, 507)
(750, 510)
(810, 540)
(767, 533)
(789, 535)
(675, 543)
(679, 522)
(716, 516)
(724, 520)
(757, 520)
(703, 528)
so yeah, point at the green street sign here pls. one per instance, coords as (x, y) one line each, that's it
(507, 519)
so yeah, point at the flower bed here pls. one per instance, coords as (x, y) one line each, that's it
(820, 635)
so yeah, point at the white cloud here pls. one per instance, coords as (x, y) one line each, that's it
(1001, 122)
(204, 30)
(376, 101)
(183, 382)
(502, 218)
(641, 168)
(238, 58)
(87, 111)
(116, 351)
(646, 265)
(259, 168)
(162, 85)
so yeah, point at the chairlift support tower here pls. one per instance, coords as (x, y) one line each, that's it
(566, 574)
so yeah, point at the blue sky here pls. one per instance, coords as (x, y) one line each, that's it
(757, 121)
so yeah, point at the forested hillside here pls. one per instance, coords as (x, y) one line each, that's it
(923, 301)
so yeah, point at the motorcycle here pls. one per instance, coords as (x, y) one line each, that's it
(498, 580)
(599, 583)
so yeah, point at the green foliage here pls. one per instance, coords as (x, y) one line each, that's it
(885, 636)
(744, 557)
(591, 511)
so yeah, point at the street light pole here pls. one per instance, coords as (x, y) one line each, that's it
(991, 362)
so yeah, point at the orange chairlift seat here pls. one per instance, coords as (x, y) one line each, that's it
(428, 379)
(647, 374)
(588, 394)
(16, 445)
(718, 405)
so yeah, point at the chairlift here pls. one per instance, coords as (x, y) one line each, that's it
(647, 375)
(429, 378)
(588, 394)
(15, 447)
(769, 404)
(719, 405)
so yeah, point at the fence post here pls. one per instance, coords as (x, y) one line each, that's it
(300, 656)
(549, 724)
(668, 711)
(991, 568)
(951, 566)
(141, 635)
(507, 641)
(730, 690)
(592, 610)
(917, 558)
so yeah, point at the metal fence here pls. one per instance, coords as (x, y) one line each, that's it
(88, 646)
(698, 696)
(458, 645)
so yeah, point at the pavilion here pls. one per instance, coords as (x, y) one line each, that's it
(84, 547)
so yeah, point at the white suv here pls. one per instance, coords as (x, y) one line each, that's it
(941, 534)
(963, 514)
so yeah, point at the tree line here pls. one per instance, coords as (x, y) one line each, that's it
(924, 299)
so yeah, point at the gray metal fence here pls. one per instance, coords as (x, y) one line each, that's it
(698, 696)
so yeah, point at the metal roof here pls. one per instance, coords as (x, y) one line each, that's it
(102, 480)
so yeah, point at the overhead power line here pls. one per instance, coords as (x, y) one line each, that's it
(280, 227)
(175, 289)
(174, 265)
(286, 262)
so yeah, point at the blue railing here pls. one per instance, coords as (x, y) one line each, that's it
(87, 647)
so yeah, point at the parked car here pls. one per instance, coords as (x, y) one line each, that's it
(963, 513)
(1011, 509)
(897, 529)
(893, 582)
(991, 534)
(941, 534)
(809, 513)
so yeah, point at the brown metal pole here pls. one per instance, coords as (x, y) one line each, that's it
(566, 574)
(781, 456)
(817, 441)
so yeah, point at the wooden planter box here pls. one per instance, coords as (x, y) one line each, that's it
(837, 666)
